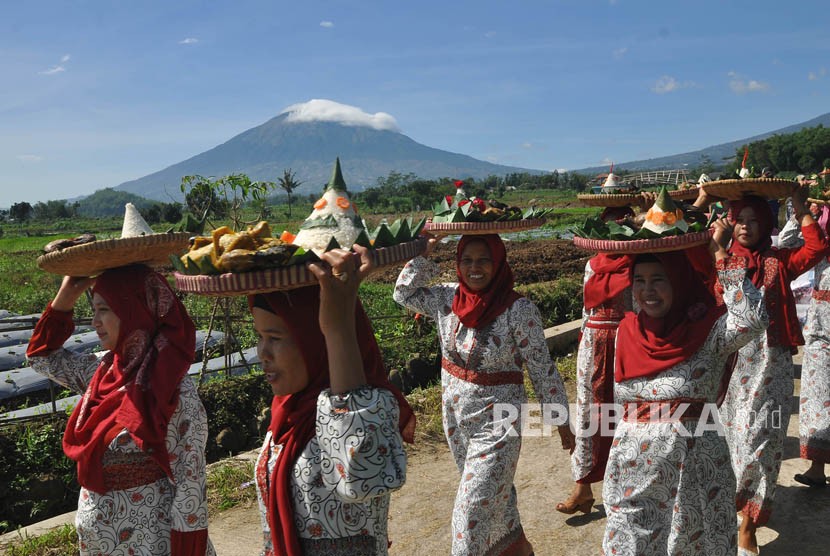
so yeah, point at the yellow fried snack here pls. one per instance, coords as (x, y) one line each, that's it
(217, 236)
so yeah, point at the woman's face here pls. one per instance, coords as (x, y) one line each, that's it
(476, 266)
(814, 210)
(106, 322)
(652, 289)
(747, 230)
(280, 357)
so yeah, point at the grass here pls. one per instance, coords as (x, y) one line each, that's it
(229, 483)
(62, 541)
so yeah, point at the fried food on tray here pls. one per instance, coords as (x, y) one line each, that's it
(229, 251)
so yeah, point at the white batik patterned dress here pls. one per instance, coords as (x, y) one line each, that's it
(142, 505)
(756, 410)
(343, 478)
(669, 488)
(595, 385)
(480, 369)
(814, 398)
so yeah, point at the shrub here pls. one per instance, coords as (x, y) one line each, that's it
(559, 301)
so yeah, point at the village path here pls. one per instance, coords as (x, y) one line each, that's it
(420, 511)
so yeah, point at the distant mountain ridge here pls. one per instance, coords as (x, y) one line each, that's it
(715, 153)
(309, 149)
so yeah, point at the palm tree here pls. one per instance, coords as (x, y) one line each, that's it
(288, 182)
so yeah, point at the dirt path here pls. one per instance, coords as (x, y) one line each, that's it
(420, 512)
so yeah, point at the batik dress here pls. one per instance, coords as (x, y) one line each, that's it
(343, 479)
(756, 410)
(481, 375)
(669, 488)
(595, 385)
(814, 399)
(142, 504)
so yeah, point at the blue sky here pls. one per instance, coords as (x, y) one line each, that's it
(96, 93)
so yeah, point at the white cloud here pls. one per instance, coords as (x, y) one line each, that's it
(561, 170)
(52, 70)
(327, 24)
(322, 110)
(189, 40)
(527, 145)
(813, 75)
(58, 68)
(619, 52)
(29, 157)
(668, 84)
(741, 85)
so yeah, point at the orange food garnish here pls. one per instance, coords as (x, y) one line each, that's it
(649, 214)
(287, 237)
(320, 204)
(669, 218)
(343, 203)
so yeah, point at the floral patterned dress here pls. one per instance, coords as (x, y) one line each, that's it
(755, 412)
(814, 409)
(343, 479)
(135, 517)
(669, 488)
(814, 399)
(595, 385)
(482, 374)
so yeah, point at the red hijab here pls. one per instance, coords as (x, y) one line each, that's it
(476, 309)
(611, 276)
(136, 385)
(766, 222)
(293, 417)
(651, 345)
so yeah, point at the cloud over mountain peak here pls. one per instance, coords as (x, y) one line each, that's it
(322, 110)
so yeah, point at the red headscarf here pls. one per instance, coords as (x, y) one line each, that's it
(611, 276)
(652, 345)
(136, 385)
(293, 416)
(476, 309)
(754, 254)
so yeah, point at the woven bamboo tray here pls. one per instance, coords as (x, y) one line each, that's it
(657, 245)
(609, 199)
(282, 278)
(479, 228)
(91, 259)
(769, 188)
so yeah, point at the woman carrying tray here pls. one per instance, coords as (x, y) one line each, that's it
(138, 434)
(606, 297)
(755, 412)
(488, 334)
(668, 484)
(333, 452)
(814, 406)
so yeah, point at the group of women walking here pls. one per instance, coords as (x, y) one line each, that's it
(667, 336)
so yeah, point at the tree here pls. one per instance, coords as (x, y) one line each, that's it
(152, 214)
(20, 211)
(171, 212)
(288, 183)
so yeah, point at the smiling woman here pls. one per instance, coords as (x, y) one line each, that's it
(489, 334)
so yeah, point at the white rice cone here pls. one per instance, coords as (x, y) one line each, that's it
(134, 223)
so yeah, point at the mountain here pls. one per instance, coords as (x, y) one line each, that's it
(716, 154)
(309, 148)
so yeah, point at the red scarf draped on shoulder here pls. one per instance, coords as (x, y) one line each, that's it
(611, 276)
(784, 328)
(293, 417)
(649, 345)
(136, 385)
(476, 309)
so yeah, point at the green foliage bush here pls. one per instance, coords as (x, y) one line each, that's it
(30, 455)
(559, 301)
(235, 403)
